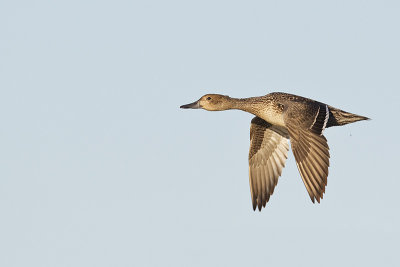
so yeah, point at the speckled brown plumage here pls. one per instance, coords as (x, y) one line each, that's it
(281, 117)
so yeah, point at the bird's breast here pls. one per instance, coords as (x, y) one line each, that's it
(273, 116)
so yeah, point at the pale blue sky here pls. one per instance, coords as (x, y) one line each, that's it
(100, 167)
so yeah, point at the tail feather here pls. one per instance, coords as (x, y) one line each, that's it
(339, 117)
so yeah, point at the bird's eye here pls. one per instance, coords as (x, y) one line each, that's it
(208, 98)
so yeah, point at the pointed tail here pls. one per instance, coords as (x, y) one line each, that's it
(339, 117)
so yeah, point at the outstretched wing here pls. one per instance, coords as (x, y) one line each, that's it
(267, 156)
(309, 146)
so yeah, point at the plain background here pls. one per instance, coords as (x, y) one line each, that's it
(100, 167)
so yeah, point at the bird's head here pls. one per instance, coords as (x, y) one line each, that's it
(211, 102)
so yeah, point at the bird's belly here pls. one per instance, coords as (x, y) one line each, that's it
(273, 117)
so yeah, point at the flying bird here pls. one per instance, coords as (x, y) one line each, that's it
(280, 117)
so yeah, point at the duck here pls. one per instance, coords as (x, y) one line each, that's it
(280, 118)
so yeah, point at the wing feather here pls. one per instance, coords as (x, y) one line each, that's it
(310, 148)
(267, 156)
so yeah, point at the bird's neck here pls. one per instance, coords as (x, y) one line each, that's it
(250, 105)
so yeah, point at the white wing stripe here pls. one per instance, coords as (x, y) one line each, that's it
(315, 119)
(326, 118)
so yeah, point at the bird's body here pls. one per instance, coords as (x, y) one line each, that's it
(280, 117)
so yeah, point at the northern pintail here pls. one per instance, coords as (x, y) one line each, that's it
(280, 117)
